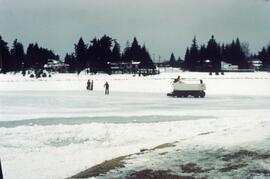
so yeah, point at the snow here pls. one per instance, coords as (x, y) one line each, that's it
(230, 83)
(54, 128)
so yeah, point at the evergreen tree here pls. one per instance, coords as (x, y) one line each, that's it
(264, 56)
(239, 56)
(180, 62)
(71, 61)
(37, 57)
(172, 60)
(186, 55)
(17, 56)
(105, 52)
(192, 56)
(203, 56)
(146, 61)
(214, 54)
(138, 53)
(4, 56)
(80, 54)
(92, 55)
(235, 54)
(99, 53)
(116, 54)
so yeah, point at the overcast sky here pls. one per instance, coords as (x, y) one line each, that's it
(164, 26)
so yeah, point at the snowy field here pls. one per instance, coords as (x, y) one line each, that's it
(54, 128)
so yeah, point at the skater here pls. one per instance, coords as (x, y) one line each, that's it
(176, 79)
(1, 173)
(106, 85)
(92, 85)
(88, 85)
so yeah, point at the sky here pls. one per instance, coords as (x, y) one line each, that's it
(164, 26)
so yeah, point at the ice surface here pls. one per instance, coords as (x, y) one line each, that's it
(46, 132)
(230, 83)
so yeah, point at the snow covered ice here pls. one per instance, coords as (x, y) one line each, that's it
(54, 128)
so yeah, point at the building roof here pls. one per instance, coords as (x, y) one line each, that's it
(124, 63)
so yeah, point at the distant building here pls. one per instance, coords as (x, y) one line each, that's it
(123, 67)
(146, 72)
(228, 67)
(162, 64)
(56, 66)
(256, 64)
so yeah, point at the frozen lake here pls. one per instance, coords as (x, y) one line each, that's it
(55, 134)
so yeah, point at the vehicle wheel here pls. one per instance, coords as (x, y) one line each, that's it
(202, 94)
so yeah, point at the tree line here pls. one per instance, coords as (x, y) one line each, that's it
(208, 57)
(96, 55)
(264, 56)
(16, 59)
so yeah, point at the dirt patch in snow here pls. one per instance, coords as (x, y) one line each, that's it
(261, 172)
(241, 154)
(163, 153)
(191, 168)
(206, 133)
(118, 162)
(102, 168)
(162, 146)
(231, 167)
(151, 174)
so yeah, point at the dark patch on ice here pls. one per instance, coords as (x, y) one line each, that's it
(154, 174)
(261, 172)
(162, 146)
(144, 150)
(102, 168)
(191, 168)
(231, 167)
(206, 133)
(100, 119)
(241, 154)
(64, 141)
(163, 153)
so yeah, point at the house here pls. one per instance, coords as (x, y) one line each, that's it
(256, 64)
(56, 66)
(228, 67)
(123, 67)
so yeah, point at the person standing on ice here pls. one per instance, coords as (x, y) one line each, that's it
(88, 85)
(176, 79)
(1, 173)
(92, 85)
(106, 85)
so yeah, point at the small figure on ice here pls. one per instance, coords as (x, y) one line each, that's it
(92, 85)
(106, 85)
(88, 85)
(176, 79)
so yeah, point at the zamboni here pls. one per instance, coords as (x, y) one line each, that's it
(183, 89)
